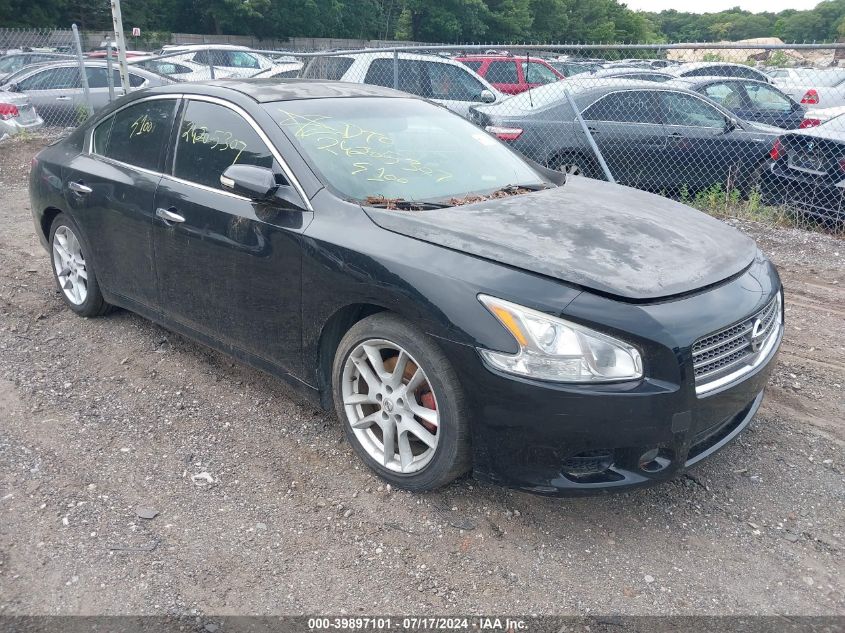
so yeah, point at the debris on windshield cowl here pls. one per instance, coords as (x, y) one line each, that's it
(504, 192)
(400, 204)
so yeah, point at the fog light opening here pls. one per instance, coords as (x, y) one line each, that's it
(653, 461)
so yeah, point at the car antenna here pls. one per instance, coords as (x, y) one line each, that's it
(530, 96)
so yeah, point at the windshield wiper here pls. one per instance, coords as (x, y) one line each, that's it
(400, 204)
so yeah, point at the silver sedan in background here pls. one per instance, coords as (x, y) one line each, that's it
(55, 88)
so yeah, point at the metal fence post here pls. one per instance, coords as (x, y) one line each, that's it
(110, 70)
(589, 136)
(210, 63)
(396, 70)
(117, 19)
(86, 92)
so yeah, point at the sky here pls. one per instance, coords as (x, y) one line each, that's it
(714, 6)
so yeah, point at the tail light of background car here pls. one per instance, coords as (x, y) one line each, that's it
(8, 111)
(505, 133)
(811, 97)
(809, 123)
(777, 150)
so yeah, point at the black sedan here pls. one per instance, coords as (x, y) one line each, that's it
(749, 100)
(651, 136)
(807, 173)
(457, 306)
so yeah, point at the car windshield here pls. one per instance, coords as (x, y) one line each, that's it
(398, 148)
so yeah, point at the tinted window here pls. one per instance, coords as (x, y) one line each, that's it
(99, 77)
(633, 106)
(139, 133)
(331, 68)
(101, 136)
(211, 138)
(537, 73)
(764, 97)
(682, 109)
(12, 63)
(134, 80)
(726, 94)
(165, 68)
(411, 77)
(648, 77)
(502, 73)
(452, 82)
(474, 66)
(63, 78)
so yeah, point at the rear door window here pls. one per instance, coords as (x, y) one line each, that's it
(331, 68)
(632, 106)
(62, 78)
(411, 77)
(140, 132)
(473, 66)
(728, 94)
(502, 73)
(211, 138)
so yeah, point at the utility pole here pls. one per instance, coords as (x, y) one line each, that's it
(117, 18)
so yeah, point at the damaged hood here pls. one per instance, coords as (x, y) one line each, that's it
(609, 238)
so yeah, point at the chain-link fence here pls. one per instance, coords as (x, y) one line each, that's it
(747, 130)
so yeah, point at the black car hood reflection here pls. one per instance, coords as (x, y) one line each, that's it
(605, 237)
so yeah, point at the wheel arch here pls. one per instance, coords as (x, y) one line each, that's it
(333, 330)
(46, 221)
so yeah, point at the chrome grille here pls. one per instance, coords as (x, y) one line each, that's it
(722, 352)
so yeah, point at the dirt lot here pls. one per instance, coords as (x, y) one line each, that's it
(101, 417)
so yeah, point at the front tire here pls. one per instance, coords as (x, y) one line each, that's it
(401, 404)
(73, 273)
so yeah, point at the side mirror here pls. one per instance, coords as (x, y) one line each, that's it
(256, 183)
(11, 88)
(487, 96)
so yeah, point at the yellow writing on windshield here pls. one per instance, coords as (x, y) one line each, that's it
(342, 138)
(141, 126)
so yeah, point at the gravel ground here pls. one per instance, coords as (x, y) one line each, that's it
(105, 420)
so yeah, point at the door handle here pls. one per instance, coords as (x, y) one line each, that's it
(63, 98)
(78, 187)
(169, 216)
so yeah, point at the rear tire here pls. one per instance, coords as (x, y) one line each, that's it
(74, 273)
(393, 385)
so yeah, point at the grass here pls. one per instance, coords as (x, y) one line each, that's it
(728, 202)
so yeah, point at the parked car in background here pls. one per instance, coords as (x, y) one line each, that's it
(282, 70)
(102, 54)
(177, 70)
(512, 74)
(573, 66)
(626, 72)
(813, 87)
(13, 63)
(55, 88)
(442, 80)
(807, 171)
(17, 115)
(227, 60)
(651, 136)
(817, 116)
(749, 99)
(718, 69)
(563, 338)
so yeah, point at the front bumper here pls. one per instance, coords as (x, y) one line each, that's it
(563, 440)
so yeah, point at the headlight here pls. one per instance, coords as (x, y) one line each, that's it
(554, 349)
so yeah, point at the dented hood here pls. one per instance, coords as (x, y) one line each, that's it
(612, 239)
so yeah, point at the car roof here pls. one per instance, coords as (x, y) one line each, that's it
(700, 81)
(288, 89)
(694, 65)
(483, 57)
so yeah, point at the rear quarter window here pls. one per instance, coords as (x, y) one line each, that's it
(139, 133)
(331, 68)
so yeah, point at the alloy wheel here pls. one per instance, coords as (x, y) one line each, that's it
(69, 264)
(391, 406)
